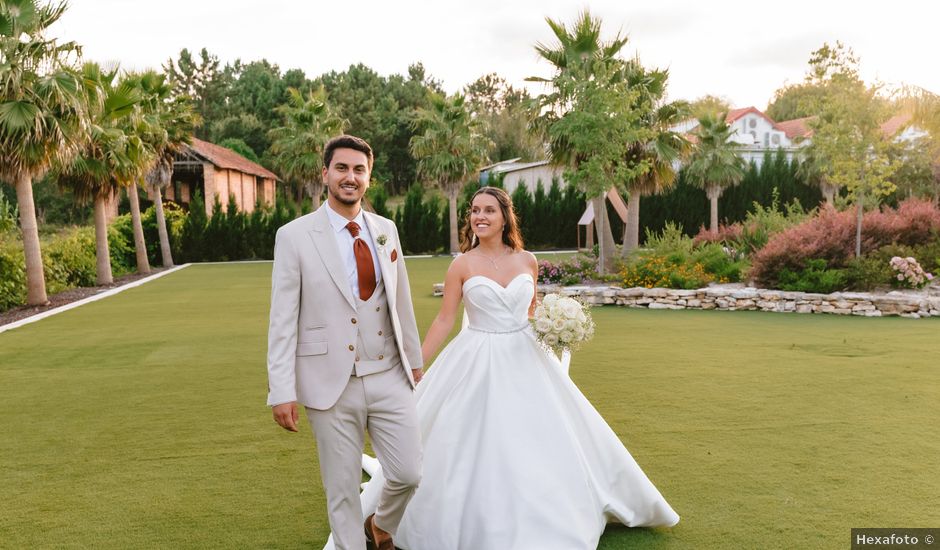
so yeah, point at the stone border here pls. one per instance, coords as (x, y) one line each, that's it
(911, 304)
(99, 296)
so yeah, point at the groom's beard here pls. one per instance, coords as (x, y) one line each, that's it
(347, 201)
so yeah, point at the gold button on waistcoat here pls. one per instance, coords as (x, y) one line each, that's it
(354, 320)
(380, 333)
(351, 347)
(378, 309)
(381, 357)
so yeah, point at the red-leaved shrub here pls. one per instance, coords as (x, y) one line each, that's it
(725, 234)
(830, 236)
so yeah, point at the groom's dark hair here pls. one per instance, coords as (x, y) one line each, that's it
(346, 141)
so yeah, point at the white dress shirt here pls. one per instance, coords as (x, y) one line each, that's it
(344, 241)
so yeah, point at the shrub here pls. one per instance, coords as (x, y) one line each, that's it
(419, 222)
(909, 273)
(815, 277)
(575, 270)
(830, 236)
(192, 235)
(867, 273)
(759, 225)
(8, 214)
(659, 271)
(721, 262)
(12, 272)
(69, 259)
(671, 240)
(673, 260)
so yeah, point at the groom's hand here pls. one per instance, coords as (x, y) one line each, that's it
(417, 374)
(285, 415)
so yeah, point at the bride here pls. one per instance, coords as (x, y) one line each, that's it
(515, 457)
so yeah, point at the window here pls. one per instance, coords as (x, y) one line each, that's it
(753, 123)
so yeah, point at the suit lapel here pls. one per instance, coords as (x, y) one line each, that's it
(325, 242)
(389, 274)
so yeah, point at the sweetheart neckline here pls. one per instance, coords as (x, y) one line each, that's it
(513, 280)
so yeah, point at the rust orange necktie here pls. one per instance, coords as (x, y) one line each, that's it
(364, 265)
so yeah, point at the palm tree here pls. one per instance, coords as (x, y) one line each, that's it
(42, 114)
(110, 158)
(176, 119)
(658, 154)
(812, 169)
(449, 149)
(145, 126)
(715, 163)
(579, 54)
(298, 145)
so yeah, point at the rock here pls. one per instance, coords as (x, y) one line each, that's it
(745, 294)
(632, 292)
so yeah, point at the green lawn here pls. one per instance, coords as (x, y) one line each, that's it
(139, 421)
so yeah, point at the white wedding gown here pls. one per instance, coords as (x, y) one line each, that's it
(515, 457)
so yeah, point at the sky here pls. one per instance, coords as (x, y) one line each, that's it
(742, 51)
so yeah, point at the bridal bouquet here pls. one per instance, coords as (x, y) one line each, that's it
(562, 322)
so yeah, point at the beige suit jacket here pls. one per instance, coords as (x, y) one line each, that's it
(311, 336)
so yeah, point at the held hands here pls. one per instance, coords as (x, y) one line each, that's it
(285, 415)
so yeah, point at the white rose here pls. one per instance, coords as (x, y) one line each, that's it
(578, 334)
(543, 325)
(550, 340)
(558, 325)
(549, 300)
(570, 324)
(539, 311)
(554, 311)
(566, 336)
(570, 308)
(581, 316)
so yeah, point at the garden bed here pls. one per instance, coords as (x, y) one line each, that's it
(912, 304)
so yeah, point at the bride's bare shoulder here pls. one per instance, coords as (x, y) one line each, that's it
(459, 265)
(529, 257)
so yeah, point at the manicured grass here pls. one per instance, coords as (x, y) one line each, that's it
(139, 421)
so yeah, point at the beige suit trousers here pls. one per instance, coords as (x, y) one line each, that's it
(382, 403)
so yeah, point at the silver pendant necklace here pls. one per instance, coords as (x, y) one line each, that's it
(493, 260)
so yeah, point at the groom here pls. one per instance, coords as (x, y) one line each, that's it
(343, 343)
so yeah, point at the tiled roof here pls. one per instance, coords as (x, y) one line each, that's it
(895, 124)
(796, 128)
(735, 114)
(228, 159)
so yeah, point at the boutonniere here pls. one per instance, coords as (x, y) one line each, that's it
(381, 240)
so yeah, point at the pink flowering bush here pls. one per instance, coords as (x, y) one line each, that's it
(575, 270)
(830, 236)
(909, 273)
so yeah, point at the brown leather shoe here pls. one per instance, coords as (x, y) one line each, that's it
(371, 537)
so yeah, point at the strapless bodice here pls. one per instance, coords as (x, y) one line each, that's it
(494, 308)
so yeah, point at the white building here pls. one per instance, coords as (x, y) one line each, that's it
(758, 134)
(517, 173)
